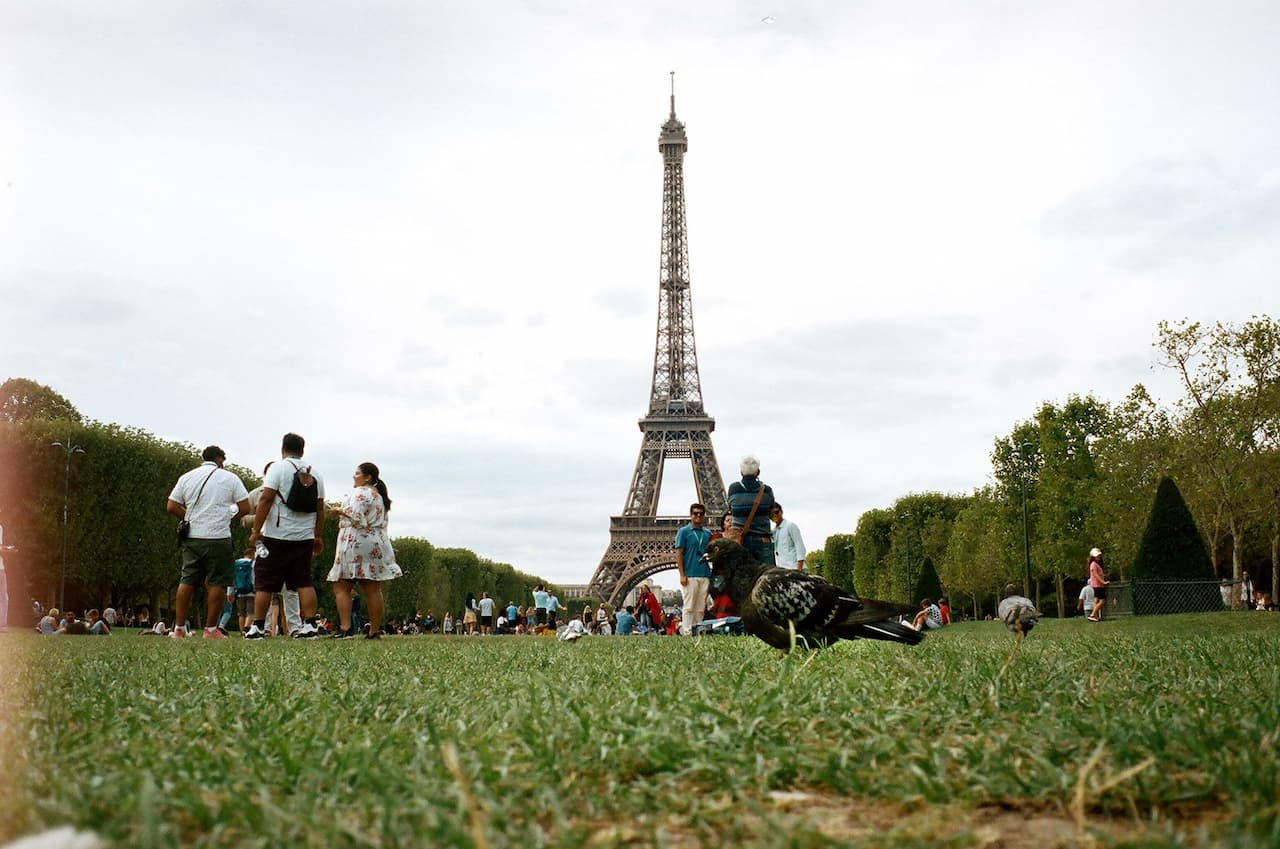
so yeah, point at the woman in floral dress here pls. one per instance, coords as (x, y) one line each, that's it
(364, 553)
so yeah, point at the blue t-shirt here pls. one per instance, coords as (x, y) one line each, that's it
(693, 544)
(626, 624)
(540, 599)
(553, 603)
(511, 612)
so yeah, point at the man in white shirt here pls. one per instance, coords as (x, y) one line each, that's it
(486, 614)
(1084, 603)
(287, 537)
(208, 498)
(788, 547)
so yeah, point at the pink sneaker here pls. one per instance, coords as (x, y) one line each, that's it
(178, 633)
(214, 634)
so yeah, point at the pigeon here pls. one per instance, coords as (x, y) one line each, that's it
(1018, 612)
(784, 607)
(1019, 615)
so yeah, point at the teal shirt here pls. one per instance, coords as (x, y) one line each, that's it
(692, 543)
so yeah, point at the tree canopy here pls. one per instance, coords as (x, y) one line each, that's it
(22, 399)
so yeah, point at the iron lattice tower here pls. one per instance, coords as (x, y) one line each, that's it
(677, 425)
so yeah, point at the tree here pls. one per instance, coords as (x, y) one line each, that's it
(981, 558)
(1230, 374)
(1172, 549)
(1064, 490)
(922, 529)
(1134, 449)
(837, 560)
(22, 399)
(871, 545)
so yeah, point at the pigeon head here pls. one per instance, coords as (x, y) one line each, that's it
(731, 558)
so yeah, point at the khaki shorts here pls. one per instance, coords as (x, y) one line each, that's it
(208, 559)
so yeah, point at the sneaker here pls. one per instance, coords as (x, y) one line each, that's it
(214, 634)
(254, 633)
(376, 635)
(178, 633)
(306, 632)
(1094, 619)
(348, 634)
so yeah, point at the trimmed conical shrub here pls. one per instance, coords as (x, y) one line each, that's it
(1172, 550)
(929, 585)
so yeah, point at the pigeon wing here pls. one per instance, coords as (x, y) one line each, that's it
(786, 595)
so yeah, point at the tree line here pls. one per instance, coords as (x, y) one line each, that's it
(120, 548)
(1084, 473)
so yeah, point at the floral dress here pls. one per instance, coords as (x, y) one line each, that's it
(364, 550)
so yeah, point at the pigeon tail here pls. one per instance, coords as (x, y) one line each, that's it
(889, 630)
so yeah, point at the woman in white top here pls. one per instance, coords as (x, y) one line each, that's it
(364, 552)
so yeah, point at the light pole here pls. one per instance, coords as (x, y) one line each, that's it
(69, 449)
(906, 541)
(1021, 451)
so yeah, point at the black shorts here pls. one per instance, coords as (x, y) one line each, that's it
(541, 616)
(1100, 593)
(486, 621)
(288, 561)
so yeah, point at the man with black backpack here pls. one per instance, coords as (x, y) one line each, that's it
(288, 531)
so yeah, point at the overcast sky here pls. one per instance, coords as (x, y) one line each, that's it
(426, 234)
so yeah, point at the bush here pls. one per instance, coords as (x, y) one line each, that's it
(1173, 550)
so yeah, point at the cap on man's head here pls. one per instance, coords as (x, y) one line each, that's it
(214, 453)
(749, 466)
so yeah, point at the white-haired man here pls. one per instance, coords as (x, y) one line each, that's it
(750, 501)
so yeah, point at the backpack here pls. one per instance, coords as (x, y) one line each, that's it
(304, 495)
(244, 576)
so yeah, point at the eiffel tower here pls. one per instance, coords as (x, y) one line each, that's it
(676, 426)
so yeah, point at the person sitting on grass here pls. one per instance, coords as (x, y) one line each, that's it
(626, 622)
(48, 623)
(98, 626)
(929, 616)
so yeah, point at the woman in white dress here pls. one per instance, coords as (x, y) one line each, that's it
(364, 553)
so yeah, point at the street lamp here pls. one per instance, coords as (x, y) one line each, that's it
(69, 449)
(1021, 451)
(906, 540)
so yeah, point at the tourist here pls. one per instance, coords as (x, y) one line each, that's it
(750, 499)
(206, 500)
(288, 532)
(1097, 580)
(695, 573)
(364, 555)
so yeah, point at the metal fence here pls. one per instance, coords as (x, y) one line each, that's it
(1156, 597)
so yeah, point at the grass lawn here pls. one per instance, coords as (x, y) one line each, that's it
(1148, 732)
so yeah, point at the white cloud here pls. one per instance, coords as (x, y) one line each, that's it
(427, 234)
